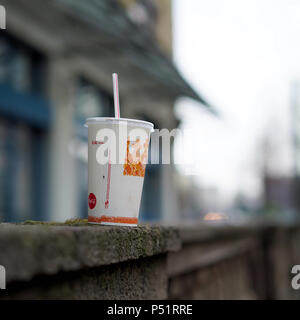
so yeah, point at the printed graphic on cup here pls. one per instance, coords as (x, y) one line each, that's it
(136, 158)
(92, 201)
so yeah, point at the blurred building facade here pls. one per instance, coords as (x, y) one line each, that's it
(281, 192)
(56, 61)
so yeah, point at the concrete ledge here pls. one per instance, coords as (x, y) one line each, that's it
(246, 261)
(27, 251)
(200, 261)
(212, 231)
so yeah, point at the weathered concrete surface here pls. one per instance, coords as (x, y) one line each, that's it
(27, 251)
(205, 261)
(135, 279)
(250, 261)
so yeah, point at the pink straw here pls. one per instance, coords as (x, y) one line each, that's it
(116, 95)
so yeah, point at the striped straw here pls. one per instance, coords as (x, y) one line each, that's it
(116, 95)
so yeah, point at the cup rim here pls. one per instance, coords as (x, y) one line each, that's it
(94, 120)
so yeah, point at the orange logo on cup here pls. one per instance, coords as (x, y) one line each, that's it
(136, 158)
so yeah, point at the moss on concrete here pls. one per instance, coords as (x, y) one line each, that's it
(70, 222)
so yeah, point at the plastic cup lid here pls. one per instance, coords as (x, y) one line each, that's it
(119, 120)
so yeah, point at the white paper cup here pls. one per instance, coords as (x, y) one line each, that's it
(115, 187)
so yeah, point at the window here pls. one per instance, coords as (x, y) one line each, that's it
(21, 67)
(92, 102)
(24, 119)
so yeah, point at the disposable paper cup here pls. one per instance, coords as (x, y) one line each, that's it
(115, 188)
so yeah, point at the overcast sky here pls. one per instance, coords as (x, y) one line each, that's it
(242, 56)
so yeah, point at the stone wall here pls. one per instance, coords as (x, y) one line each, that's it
(80, 261)
(244, 262)
(85, 261)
